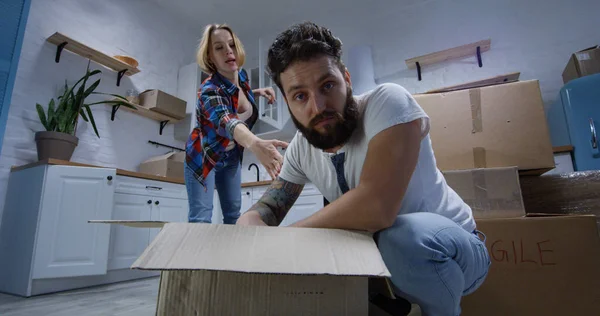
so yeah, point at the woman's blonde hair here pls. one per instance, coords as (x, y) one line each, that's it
(202, 56)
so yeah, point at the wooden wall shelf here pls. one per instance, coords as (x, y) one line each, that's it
(140, 110)
(64, 42)
(448, 54)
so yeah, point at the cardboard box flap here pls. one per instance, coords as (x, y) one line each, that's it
(273, 250)
(131, 223)
(161, 157)
(587, 49)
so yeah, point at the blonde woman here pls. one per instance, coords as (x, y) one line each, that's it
(226, 113)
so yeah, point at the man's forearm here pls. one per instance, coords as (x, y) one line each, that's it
(356, 210)
(265, 213)
(274, 205)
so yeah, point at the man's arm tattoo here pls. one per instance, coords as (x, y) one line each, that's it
(277, 201)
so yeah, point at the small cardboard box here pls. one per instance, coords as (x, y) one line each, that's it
(212, 269)
(169, 165)
(491, 193)
(162, 102)
(496, 126)
(582, 63)
(547, 265)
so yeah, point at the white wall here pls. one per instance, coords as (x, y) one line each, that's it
(159, 41)
(534, 37)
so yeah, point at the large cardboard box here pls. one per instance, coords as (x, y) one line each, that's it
(582, 63)
(211, 269)
(495, 126)
(162, 102)
(568, 193)
(540, 266)
(491, 193)
(169, 165)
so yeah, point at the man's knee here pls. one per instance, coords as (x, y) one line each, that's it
(417, 236)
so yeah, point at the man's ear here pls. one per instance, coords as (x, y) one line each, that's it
(347, 77)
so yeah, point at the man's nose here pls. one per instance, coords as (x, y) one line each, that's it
(318, 103)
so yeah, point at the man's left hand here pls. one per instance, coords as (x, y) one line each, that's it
(250, 218)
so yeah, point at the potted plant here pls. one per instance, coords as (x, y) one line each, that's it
(58, 141)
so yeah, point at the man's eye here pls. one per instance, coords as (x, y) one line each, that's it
(328, 86)
(299, 96)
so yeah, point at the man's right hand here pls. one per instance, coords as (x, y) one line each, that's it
(250, 218)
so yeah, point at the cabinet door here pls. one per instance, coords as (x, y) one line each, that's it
(217, 214)
(128, 243)
(268, 113)
(67, 245)
(168, 210)
(303, 208)
(246, 200)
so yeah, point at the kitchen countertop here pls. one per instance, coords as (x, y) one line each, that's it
(119, 171)
(256, 183)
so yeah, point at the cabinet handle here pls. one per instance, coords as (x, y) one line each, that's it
(109, 178)
(156, 202)
(264, 114)
(593, 131)
(149, 201)
(247, 193)
(153, 187)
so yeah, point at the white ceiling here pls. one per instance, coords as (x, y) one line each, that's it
(258, 17)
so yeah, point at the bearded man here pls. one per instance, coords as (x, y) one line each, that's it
(370, 155)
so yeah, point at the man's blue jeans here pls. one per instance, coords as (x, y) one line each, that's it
(433, 261)
(226, 177)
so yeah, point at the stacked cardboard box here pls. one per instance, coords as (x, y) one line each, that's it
(582, 63)
(495, 126)
(483, 139)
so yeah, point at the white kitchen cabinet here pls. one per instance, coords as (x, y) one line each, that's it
(66, 244)
(45, 231)
(189, 81)
(309, 202)
(128, 243)
(305, 206)
(271, 114)
(168, 210)
(246, 199)
(142, 199)
(217, 213)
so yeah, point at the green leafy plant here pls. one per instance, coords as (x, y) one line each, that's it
(62, 116)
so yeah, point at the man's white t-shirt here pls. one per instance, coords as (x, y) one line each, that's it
(381, 108)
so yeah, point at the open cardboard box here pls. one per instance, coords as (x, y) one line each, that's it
(210, 269)
(169, 165)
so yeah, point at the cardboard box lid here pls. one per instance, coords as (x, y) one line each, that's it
(176, 156)
(252, 249)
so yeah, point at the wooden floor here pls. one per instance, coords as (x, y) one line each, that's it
(133, 298)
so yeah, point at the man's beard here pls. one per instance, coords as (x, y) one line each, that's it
(336, 133)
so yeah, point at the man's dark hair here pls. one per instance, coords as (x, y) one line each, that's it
(302, 42)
